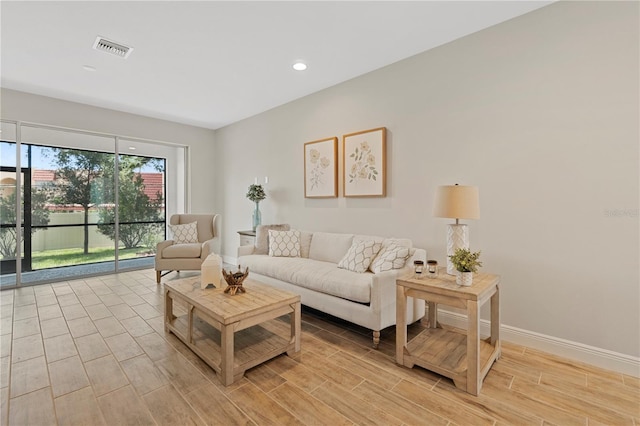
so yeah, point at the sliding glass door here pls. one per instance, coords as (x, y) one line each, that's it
(83, 209)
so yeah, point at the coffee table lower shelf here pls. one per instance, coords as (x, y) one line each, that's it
(252, 346)
(445, 352)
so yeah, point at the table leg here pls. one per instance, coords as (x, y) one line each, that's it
(401, 326)
(296, 328)
(168, 310)
(433, 314)
(226, 362)
(473, 348)
(495, 317)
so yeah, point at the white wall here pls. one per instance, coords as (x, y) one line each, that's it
(44, 110)
(540, 112)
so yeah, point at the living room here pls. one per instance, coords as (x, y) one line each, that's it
(540, 112)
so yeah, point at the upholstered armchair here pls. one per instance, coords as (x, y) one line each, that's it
(195, 236)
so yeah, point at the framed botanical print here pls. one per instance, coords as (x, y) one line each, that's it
(321, 168)
(364, 163)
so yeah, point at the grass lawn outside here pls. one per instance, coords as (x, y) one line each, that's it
(75, 256)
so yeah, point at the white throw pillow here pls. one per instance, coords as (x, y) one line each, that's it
(359, 256)
(284, 243)
(185, 234)
(262, 236)
(390, 257)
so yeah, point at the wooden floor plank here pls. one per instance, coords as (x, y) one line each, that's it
(307, 408)
(35, 408)
(440, 405)
(79, 408)
(168, 408)
(261, 407)
(353, 408)
(397, 405)
(499, 410)
(124, 407)
(215, 408)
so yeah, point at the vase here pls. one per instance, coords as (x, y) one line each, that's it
(257, 217)
(464, 278)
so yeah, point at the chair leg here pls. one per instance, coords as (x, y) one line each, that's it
(158, 275)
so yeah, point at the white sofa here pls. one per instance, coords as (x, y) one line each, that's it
(366, 299)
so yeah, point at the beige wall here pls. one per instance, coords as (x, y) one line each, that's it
(44, 110)
(540, 112)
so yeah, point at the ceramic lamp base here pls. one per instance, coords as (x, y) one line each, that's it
(457, 237)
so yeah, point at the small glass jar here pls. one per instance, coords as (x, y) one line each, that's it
(432, 268)
(418, 269)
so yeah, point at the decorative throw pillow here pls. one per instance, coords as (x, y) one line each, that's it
(284, 243)
(185, 234)
(262, 236)
(390, 257)
(359, 255)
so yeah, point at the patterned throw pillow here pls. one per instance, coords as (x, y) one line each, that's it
(284, 243)
(185, 234)
(262, 236)
(359, 255)
(390, 257)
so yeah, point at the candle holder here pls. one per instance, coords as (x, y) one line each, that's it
(418, 269)
(432, 268)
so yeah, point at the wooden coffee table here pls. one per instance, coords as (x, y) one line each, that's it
(232, 333)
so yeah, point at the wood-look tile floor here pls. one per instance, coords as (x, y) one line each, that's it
(94, 352)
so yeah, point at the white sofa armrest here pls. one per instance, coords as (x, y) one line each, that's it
(245, 250)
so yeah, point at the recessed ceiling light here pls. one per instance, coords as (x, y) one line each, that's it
(299, 66)
(132, 148)
(88, 68)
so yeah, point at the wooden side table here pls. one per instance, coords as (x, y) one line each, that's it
(464, 358)
(247, 238)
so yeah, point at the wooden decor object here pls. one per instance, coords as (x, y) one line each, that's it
(234, 280)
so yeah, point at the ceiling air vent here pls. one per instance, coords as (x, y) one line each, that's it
(112, 47)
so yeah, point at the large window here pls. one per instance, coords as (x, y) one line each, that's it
(84, 210)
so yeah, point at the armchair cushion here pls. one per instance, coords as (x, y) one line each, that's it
(182, 251)
(185, 234)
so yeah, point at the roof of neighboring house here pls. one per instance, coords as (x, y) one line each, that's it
(153, 182)
(38, 175)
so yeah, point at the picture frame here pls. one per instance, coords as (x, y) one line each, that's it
(321, 168)
(364, 163)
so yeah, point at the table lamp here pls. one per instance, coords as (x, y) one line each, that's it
(456, 202)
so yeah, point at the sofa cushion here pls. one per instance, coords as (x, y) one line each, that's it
(359, 255)
(324, 277)
(182, 251)
(392, 256)
(305, 243)
(262, 236)
(284, 243)
(329, 247)
(185, 234)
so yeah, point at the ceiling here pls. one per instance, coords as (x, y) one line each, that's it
(212, 63)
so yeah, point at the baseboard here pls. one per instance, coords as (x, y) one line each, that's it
(598, 357)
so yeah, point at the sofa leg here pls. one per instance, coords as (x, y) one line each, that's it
(158, 275)
(376, 339)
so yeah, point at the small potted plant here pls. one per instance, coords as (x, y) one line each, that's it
(466, 263)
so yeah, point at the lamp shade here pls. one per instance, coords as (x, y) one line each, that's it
(457, 202)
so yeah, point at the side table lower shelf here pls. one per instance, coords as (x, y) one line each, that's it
(445, 352)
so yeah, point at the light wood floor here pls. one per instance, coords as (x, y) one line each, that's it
(94, 351)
